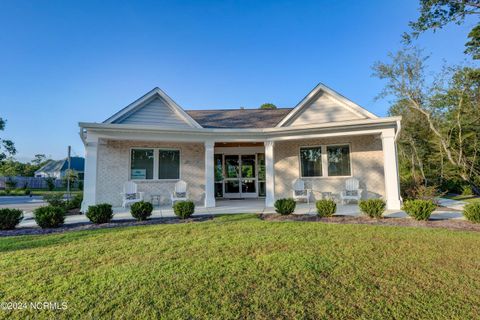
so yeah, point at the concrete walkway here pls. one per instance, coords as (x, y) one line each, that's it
(451, 204)
(242, 206)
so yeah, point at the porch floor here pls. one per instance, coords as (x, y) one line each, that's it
(242, 206)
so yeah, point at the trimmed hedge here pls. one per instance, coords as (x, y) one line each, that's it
(373, 208)
(49, 216)
(419, 209)
(326, 207)
(141, 210)
(100, 213)
(472, 212)
(184, 209)
(9, 218)
(75, 202)
(54, 199)
(285, 206)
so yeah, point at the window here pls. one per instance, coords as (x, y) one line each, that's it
(311, 161)
(168, 164)
(338, 160)
(141, 164)
(148, 164)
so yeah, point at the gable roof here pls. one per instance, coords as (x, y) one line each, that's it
(239, 118)
(343, 101)
(141, 102)
(157, 108)
(76, 163)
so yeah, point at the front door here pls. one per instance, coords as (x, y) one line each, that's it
(240, 176)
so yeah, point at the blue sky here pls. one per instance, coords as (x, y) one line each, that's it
(62, 62)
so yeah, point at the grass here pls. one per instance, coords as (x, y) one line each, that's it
(468, 199)
(242, 267)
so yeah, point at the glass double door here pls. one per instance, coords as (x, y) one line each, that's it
(240, 176)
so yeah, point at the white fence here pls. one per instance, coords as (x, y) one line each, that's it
(30, 182)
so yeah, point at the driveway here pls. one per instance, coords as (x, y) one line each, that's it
(25, 203)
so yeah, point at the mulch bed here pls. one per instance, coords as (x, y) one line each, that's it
(90, 226)
(445, 224)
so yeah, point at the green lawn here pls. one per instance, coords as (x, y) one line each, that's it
(241, 266)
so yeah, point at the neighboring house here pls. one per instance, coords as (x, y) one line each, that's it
(57, 168)
(245, 153)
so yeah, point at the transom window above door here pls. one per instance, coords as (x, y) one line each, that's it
(156, 163)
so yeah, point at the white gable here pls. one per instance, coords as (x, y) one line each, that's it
(323, 109)
(323, 105)
(156, 112)
(154, 108)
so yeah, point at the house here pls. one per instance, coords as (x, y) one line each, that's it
(245, 153)
(58, 168)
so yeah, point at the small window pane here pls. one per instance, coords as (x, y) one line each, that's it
(232, 166)
(169, 164)
(261, 166)
(311, 161)
(248, 166)
(338, 160)
(141, 164)
(217, 159)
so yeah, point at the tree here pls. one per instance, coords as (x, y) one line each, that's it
(6, 146)
(267, 106)
(39, 159)
(449, 107)
(435, 14)
(70, 175)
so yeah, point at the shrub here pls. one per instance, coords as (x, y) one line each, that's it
(419, 209)
(184, 209)
(430, 193)
(9, 218)
(10, 183)
(373, 208)
(50, 183)
(141, 210)
(100, 213)
(472, 212)
(27, 192)
(285, 206)
(49, 216)
(54, 199)
(326, 207)
(75, 202)
(467, 191)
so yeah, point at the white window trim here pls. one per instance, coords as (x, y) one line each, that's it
(155, 164)
(325, 161)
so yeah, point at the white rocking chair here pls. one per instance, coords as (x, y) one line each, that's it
(299, 191)
(130, 194)
(180, 192)
(352, 191)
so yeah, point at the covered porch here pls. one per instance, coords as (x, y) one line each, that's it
(252, 165)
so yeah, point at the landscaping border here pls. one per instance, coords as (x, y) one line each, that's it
(450, 224)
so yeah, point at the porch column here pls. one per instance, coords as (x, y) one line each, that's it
(90, 174)
(390, 165)
(209, 175)
(269, 174)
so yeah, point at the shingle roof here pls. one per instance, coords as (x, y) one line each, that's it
(239, 118)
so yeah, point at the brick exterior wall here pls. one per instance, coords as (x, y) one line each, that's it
(367, 166)
(113, 171)
(114, 158)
